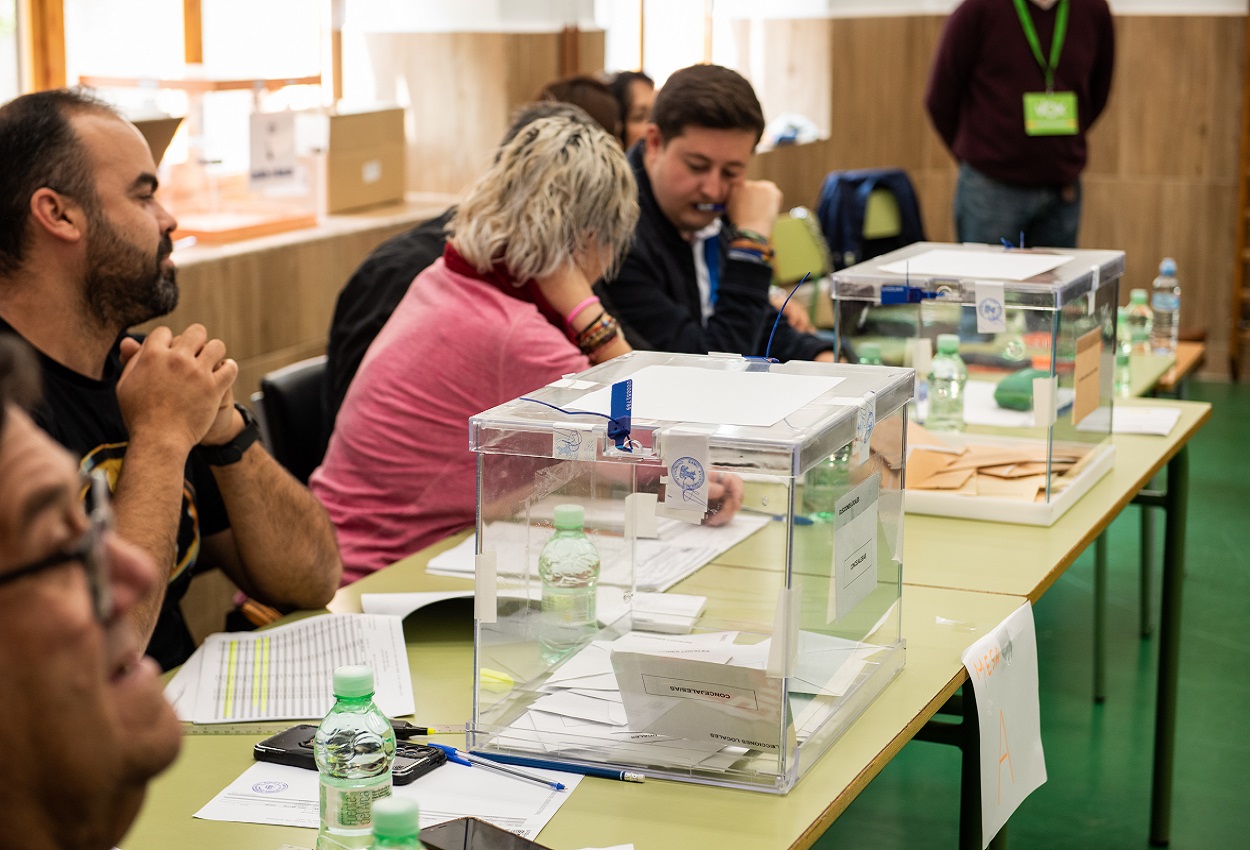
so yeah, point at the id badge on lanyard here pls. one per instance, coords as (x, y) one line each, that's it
(1048, 113)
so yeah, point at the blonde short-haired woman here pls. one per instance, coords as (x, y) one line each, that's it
(508, 308)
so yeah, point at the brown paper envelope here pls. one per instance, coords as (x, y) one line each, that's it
(980, 456)
(943, 481)
(1021, 470)
(1024, 489)
(923, 464)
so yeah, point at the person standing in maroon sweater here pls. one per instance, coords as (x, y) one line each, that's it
(1014, 88)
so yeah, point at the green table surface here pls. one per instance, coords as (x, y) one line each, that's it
(961, 578)
(938, 625)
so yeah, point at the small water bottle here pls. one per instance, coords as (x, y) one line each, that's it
(354, 747)
(947, 378)
(1165, 308)
(569, 568)
(1139, 321)
(869, 354)
(1123, 347)
(396, 824)
(824, 482)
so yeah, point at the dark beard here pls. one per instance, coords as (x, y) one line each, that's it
(125, 286)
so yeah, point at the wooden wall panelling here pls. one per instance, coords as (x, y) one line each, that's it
(798, 170)
(878, 73)
(532, 61)
(461, 90)
(789, 67)
(591, 51)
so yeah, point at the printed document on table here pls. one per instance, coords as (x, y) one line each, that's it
(1126, 419)
(287, 673)
(281, 795)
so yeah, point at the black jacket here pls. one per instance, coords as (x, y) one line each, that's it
(656, 293)
(370, 297)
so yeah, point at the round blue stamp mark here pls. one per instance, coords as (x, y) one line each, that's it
(990, 309)
(269, 787)
(688, 474)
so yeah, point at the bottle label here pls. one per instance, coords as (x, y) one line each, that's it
(1166, 302)
(352, 808)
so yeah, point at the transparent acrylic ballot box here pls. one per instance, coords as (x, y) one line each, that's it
(714, 646)
(1036, 330)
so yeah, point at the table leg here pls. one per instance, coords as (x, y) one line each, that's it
(1147, 564)
(970, 773)
(1176, 505)
(1100, 617)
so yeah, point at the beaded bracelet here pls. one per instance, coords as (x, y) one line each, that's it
(597, 334)
(751, 235)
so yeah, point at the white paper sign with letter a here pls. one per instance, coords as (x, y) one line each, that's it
(1003, 669)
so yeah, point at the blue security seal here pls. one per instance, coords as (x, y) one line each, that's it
(688, 475)
(990, 309)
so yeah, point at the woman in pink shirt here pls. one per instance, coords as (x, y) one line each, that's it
(507, 309)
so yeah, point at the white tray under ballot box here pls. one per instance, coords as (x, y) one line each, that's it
(729, 651)
(1042, 320)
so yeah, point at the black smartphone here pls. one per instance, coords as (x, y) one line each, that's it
(294, 746)
(473, 834)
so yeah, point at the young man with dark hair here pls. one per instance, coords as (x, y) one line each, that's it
(697, 277)
(86, 255)
(69, 658)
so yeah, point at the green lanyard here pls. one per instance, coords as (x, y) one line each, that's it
(1056, 44)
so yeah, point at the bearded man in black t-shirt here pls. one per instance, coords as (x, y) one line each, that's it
(84, 255)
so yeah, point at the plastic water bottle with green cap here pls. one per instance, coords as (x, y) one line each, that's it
(947, 379)
(354, 747)
(869, 354)
(569, 568)
(396, 824)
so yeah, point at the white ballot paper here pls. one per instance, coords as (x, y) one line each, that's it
(287, 673)
(1003, 669)
(289, 796)
(992, 263)
(703, 396)
(702, 700)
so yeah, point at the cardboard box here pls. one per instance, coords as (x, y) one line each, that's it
(365, 160)
(158, 133)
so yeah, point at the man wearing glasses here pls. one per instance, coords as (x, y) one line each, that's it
(86, 722)
(84, 255)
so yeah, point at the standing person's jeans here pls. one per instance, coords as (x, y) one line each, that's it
(987, 211)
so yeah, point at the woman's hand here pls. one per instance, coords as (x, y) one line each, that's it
(724, 497)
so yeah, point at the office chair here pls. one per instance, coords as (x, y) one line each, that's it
(292, 404)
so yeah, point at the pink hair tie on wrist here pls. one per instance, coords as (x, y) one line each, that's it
(568, 320)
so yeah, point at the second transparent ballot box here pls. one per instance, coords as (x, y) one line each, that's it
(1035, 331)
(688, 566)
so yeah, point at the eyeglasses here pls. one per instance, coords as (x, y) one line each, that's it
(90, 550)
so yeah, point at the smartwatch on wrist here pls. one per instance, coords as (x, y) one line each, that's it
(232, 452)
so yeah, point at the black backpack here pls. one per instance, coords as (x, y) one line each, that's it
(843, 202)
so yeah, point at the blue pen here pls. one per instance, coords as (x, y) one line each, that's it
(710, 207)
(472, 760)
(601, 772)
